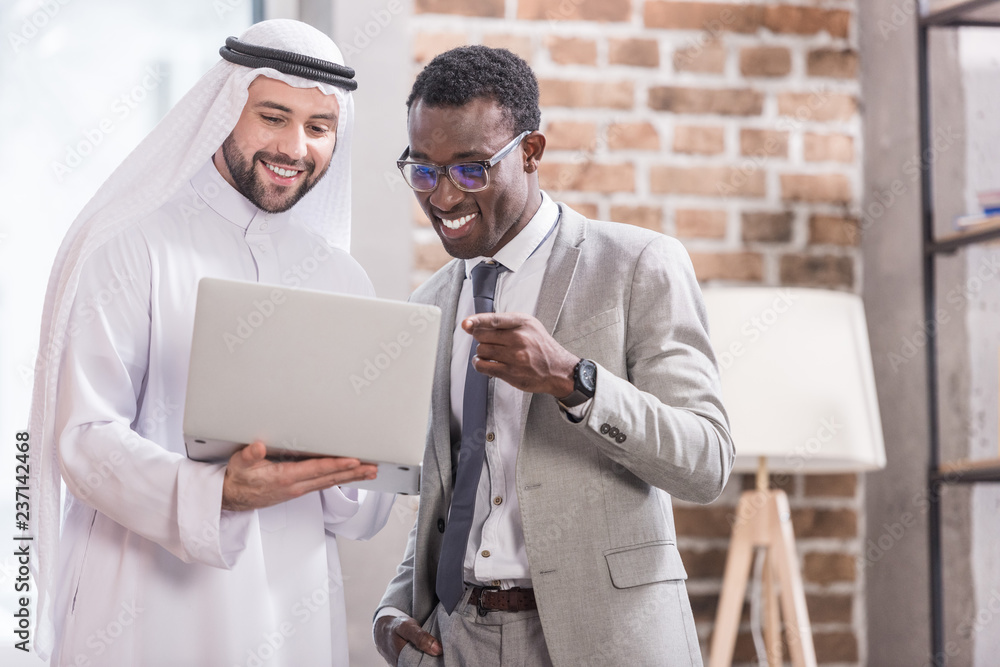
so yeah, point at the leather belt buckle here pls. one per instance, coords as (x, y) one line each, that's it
(478, 593)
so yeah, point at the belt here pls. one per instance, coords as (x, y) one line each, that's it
(489, 598)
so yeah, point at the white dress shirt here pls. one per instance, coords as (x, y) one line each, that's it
(495, 554)
(146, 549)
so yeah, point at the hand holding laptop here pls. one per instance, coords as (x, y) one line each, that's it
(254, 481)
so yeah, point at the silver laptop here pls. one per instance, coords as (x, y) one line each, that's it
(311, 374)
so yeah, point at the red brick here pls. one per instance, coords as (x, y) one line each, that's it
(704, 607)
(650, 217)
(709, 58)
(766, 143)
(709, 521)
(571, 135)
(834, 230)
(709, 564)
(832, 486)
(707, 16)
(744, 266)
(830, 608)
(587, 177)
(724, 101)
(767, 227)
(426, 45)
(806, 20)
(834, 63)
(572, 50)
(489, 8)
(819, 106)
(832, 188)
(586, 209)
(638, 136)
(744, 18)
(518, 44)
(634, 52)
(765, 61)
(429, 256)
(811, 522)
(828, 147)
(817, 270)
(841, 647)
(779, 480)
(699, 223)
(708, 181)
(826, 568)
(699, 140)
(563, 93)
(574, 10)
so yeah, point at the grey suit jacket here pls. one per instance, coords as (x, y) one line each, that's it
(595, 506)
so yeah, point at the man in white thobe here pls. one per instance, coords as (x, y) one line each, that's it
(164, 560)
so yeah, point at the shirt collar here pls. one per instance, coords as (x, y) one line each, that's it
(229, 203)
(518, 249)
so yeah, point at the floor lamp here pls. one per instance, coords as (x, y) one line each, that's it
(798, 384)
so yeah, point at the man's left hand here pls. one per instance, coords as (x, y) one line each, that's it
(517, 349)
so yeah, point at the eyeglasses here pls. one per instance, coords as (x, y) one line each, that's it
(471, 176)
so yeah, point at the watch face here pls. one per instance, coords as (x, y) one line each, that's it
(588, 376)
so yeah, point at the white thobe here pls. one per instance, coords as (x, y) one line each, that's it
(152, 571)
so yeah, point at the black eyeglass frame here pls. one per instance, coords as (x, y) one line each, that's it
(446, 169)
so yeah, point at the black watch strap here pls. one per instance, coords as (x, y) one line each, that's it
(584, 384)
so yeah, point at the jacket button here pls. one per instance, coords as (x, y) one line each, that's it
(605, 427)
(620, 439)
(613, 433)
(440, 525)
(490, 437)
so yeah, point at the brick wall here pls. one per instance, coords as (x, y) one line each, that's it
(736, 128)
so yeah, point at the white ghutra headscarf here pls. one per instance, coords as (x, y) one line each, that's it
(159, 166)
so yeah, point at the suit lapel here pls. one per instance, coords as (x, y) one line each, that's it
(446, 299)
(558, 277)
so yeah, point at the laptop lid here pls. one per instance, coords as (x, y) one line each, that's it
(311, 373)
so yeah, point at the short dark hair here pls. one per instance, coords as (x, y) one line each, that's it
(457, 77)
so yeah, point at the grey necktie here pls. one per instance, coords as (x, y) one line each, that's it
(451, 566)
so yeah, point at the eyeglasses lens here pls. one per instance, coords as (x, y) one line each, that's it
(469, 176)
(421, 177)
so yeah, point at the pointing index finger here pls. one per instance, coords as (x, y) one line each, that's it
(493, 321)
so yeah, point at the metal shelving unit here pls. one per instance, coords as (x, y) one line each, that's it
(958, 15)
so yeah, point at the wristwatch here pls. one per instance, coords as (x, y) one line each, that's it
(584, 384)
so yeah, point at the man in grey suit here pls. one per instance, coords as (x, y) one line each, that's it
(576, 392)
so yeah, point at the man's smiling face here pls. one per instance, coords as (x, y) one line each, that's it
(282, 144)
(471, 224)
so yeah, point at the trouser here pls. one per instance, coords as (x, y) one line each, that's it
(498, 639)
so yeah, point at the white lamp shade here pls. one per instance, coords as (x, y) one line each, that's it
(797, 378)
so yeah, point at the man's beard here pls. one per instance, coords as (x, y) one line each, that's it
(251, 185)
